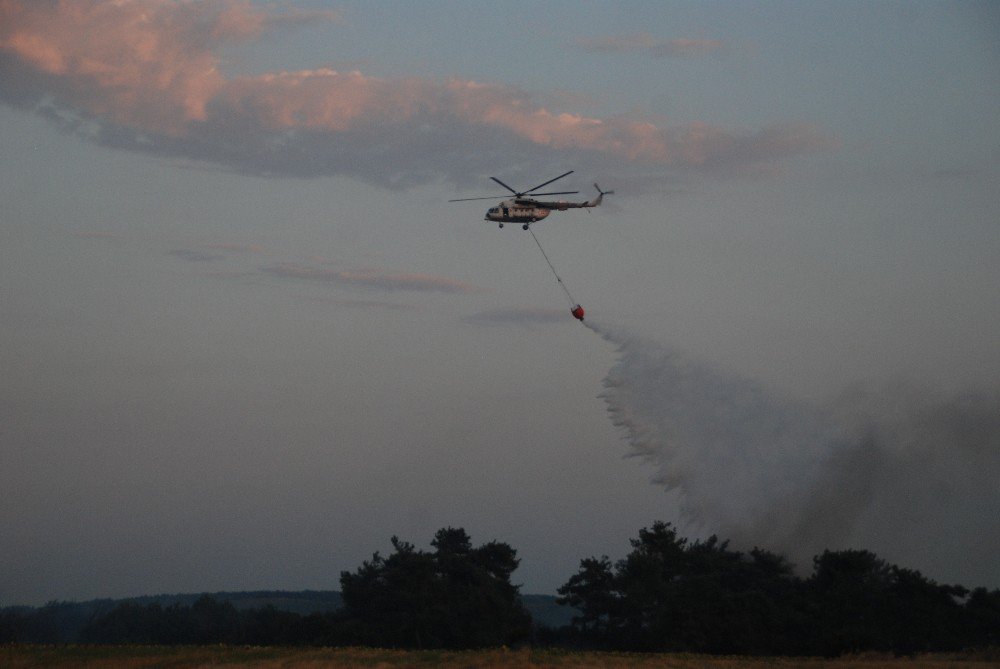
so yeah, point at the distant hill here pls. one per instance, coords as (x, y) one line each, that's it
(64, 620)
(545, 612)
(302, 602)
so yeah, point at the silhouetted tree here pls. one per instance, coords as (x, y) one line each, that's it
(455, 597)
(269, 626)
(129, 622)
(849, 591)
(12, 626)
(669, 594)
(390, 600)
(213, 621)
(592, 592)
(205, 621)
(924, 615)
(982, 618)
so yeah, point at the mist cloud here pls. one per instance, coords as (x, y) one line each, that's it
(646, 43)
(908, 472)
(144, 76)
(519, 316)
(195, 256)
(373, 278)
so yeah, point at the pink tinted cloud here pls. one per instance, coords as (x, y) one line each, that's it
(144, 64)
(148, 64)
(147, 72)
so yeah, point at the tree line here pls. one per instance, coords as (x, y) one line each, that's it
(667, 594)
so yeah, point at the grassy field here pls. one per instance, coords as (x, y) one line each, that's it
(184, 657)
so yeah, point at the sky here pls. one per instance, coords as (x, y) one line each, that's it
(245, 339)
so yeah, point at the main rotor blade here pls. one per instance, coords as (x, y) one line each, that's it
(546, 183)
(562, 192)
(506, 186)
(488, 197)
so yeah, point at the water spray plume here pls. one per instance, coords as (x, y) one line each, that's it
(909, 474)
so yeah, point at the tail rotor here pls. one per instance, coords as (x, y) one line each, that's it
(600, 197)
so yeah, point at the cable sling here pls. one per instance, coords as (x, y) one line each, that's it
(562, 285)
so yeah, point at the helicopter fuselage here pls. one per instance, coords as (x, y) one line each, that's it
(515, 211)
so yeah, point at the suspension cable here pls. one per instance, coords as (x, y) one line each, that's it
(562, 285)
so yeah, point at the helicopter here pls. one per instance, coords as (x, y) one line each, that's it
(527, 210)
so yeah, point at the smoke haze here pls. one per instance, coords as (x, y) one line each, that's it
(908, 472)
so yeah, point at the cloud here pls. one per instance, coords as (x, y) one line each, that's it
(371, 304)
(237, 248)
(520, 316)
(644, 42)
(144, 76)
(373, 279)
(195, 256)
(93, 234)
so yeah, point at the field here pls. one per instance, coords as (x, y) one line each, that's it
(184, 657)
